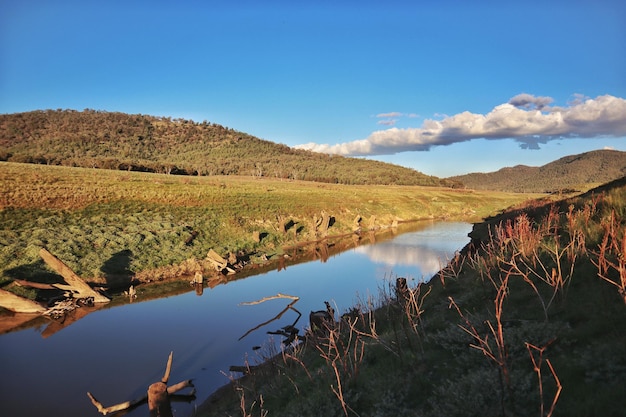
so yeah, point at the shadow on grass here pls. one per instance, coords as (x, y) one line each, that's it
(117, 269)
(35, 272)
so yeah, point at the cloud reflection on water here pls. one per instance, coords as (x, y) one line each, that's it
(426, 250)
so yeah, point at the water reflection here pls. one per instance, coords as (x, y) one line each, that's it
(114, 351)
(425, 250)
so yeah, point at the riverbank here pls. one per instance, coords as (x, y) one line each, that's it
(529, 318)
(108, 226)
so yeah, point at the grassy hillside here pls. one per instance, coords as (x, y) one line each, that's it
(530, 319)
(574, 172)
(110, 224)
(119, 141)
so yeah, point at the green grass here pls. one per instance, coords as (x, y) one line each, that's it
(449, 358)
(110, 224)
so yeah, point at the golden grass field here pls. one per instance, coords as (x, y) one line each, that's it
(88, 217)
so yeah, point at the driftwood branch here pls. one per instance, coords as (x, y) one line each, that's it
(273, 297)
(157, 395)
(19, 304)
(168, 368)
(117, 407)
(172, 389)
(279, 315)
(141, 400)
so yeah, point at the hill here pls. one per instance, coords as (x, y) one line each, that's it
(574, 172)
(97, 139)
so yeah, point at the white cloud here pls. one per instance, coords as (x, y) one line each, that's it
(387, 122)
(389, 115)
(525, 118)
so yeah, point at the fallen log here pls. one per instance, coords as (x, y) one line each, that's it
(17, 304)
(37, 285)
(77, 285)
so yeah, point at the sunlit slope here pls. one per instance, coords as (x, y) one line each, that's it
(86, 216)
(111, 140)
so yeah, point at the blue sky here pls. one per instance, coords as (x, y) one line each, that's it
(445, 87)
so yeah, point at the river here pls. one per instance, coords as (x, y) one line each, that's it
(116, 353)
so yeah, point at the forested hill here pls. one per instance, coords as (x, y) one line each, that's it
(111, 140)
(574, 172)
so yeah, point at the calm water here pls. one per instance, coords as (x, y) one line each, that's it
(116, 353)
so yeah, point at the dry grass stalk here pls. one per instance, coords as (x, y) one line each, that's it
(537, 362)
(343, 349)
(611, 257)
(499, 355)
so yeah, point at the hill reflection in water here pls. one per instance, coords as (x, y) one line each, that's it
(117, 352)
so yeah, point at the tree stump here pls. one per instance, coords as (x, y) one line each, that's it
(159, 400)
(158, 397)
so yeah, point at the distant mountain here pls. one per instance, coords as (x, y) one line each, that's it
(574, 172)
(111, 140)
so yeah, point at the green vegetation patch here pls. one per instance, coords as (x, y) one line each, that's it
(530, 319)
(109, 225)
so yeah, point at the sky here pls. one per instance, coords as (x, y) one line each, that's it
(446, 87)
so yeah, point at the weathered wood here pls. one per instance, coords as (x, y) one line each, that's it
(37, 285)
(159, 400)
(181, 385)
(273, 297)
(323, 224)
(43, 286)
(137, 401)
(82, 289)
(168, 368)
(290, 306)
(17, 304)
(219, 263)
(216, 259)
(356, 223)
(158, 396)
(117, 407)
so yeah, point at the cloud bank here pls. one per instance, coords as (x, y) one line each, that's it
(528, 119)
